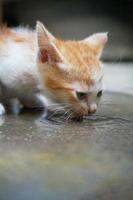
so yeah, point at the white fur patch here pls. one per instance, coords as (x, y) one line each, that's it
(20, 29)
(78, 86)
(15, 60)
(65, 67)
(98, 85)
(43, 100)
(93, 106)
(2, 109)
(18, 68)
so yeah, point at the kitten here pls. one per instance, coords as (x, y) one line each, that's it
(37, 69)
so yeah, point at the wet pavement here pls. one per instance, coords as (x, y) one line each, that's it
(71, 160)
(89, 160)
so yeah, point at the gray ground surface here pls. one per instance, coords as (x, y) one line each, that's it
(118, 77)
(89, 160)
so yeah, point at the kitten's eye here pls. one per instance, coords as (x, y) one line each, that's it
(81, 95)
(99, 94)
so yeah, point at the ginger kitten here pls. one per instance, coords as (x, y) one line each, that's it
(37, 69)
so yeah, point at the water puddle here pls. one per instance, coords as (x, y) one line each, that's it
(68, 160)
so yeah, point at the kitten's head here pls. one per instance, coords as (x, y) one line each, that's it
(71, 70)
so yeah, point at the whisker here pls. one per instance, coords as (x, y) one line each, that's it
(61, 106)
(68, 117)
(66, 113)
(106, 102)
(53, 114)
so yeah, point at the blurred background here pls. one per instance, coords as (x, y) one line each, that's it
(76, 19)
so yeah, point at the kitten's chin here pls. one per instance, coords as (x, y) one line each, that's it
(77, 118)
(79, 114)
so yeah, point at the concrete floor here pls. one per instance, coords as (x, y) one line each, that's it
(89, 160)
(119, 77)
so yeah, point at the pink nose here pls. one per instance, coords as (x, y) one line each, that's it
(92, 109)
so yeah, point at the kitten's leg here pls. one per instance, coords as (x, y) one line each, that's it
(15, 106)
(47, 114)
(42, 100)
(2, 109)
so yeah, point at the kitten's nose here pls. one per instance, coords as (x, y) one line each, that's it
(92, 108)
(92, 111)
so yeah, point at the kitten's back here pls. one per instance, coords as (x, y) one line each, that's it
(17, 53)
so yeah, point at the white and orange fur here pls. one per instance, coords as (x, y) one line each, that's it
(37, 69)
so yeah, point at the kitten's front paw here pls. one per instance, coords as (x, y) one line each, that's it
(2, 109)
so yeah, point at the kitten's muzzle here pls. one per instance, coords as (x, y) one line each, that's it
(92, 108)
(92, 111)
(85, 111)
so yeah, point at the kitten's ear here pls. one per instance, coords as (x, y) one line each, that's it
(97, 41)
(48, 52)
